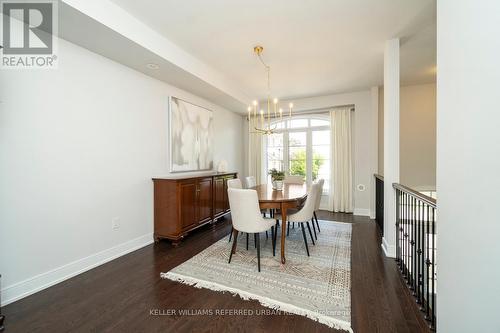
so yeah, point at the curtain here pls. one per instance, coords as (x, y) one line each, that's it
(254, 151)
(341, 152)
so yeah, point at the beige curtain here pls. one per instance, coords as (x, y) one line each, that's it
(341, 147)
(254, 151)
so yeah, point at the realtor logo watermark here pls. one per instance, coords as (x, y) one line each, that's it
(29, 30)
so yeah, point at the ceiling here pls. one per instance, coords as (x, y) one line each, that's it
(314, 47)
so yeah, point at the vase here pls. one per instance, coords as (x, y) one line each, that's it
(278, 185)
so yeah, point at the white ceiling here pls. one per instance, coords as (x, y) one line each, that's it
(314, 47)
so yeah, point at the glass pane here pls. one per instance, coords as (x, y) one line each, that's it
(297, 153)
(278, 125)
(321, 152)
(321, 169)
(297, 167)
(297, 139)
(299, 123)
(275, 140)
(274, 153)
(275, 164)
(319, 122)
(321, 137)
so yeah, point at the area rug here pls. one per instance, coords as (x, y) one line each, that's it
(318, 287)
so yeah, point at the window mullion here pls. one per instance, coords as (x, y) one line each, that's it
(309, 157)
(285, 152)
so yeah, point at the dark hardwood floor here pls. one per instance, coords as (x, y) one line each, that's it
(121, 295)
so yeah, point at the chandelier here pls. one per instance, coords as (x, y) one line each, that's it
(257, 117)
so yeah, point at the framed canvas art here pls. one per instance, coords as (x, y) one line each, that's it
(191, 136)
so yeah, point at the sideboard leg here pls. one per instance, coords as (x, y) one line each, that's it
(176, 242)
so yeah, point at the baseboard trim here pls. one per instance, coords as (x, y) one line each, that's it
(361, 212)
(42, 281)
(389, 250)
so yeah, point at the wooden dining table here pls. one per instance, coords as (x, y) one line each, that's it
(292, 196)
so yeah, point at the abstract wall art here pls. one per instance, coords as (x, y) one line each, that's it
(191, 136)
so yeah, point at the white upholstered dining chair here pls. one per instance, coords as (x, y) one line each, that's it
(234, 183)
(250, 180)
(293, 179)
(305, 214)
(321, 182)
(245, 213)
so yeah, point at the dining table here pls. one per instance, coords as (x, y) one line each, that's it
(290, 197)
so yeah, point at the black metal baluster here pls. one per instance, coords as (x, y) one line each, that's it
(433, 321)
(427, 263)
(407, 241)
(403, 239)
(414, 247)
(398, 213)
(417, 256)
(407, 237)
(422, 257)
(401, 233)
(410, 225)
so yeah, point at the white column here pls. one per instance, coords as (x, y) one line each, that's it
(373, 147)
(468, 166)
(391, 142)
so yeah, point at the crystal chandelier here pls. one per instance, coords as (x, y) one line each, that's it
(258, 119)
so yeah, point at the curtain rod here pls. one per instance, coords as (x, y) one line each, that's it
(315, 111)
(324, 110)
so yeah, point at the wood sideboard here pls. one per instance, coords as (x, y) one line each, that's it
(182, 204)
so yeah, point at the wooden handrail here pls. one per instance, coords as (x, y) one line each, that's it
(422, 197)
(379, 176)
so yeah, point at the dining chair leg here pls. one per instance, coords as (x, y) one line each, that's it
(288, 229)
(293, 225)
(305, 239)
(233, 248)
(254, 241)
(317, 223)
(273, 239)
(247, 241)
(314, 229)
(257, 242)
(267, 235)
(310, 233)
(230, 234)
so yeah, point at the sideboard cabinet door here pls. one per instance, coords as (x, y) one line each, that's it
(188, 196)
(220, 193)
(204, 200)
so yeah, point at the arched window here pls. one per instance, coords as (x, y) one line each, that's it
(301, 146)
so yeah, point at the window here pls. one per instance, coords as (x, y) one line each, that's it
(297, 154)
(275, 151)
(301, 146)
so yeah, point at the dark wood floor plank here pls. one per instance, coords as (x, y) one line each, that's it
(118, 296)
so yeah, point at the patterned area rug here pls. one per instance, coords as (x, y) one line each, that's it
(318, 287)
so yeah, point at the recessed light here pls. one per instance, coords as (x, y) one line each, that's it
(152, 66)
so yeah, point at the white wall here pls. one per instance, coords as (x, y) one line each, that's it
(417, 140)
(468, 166)
(417, 136)
(364, 118)
(78, 147)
